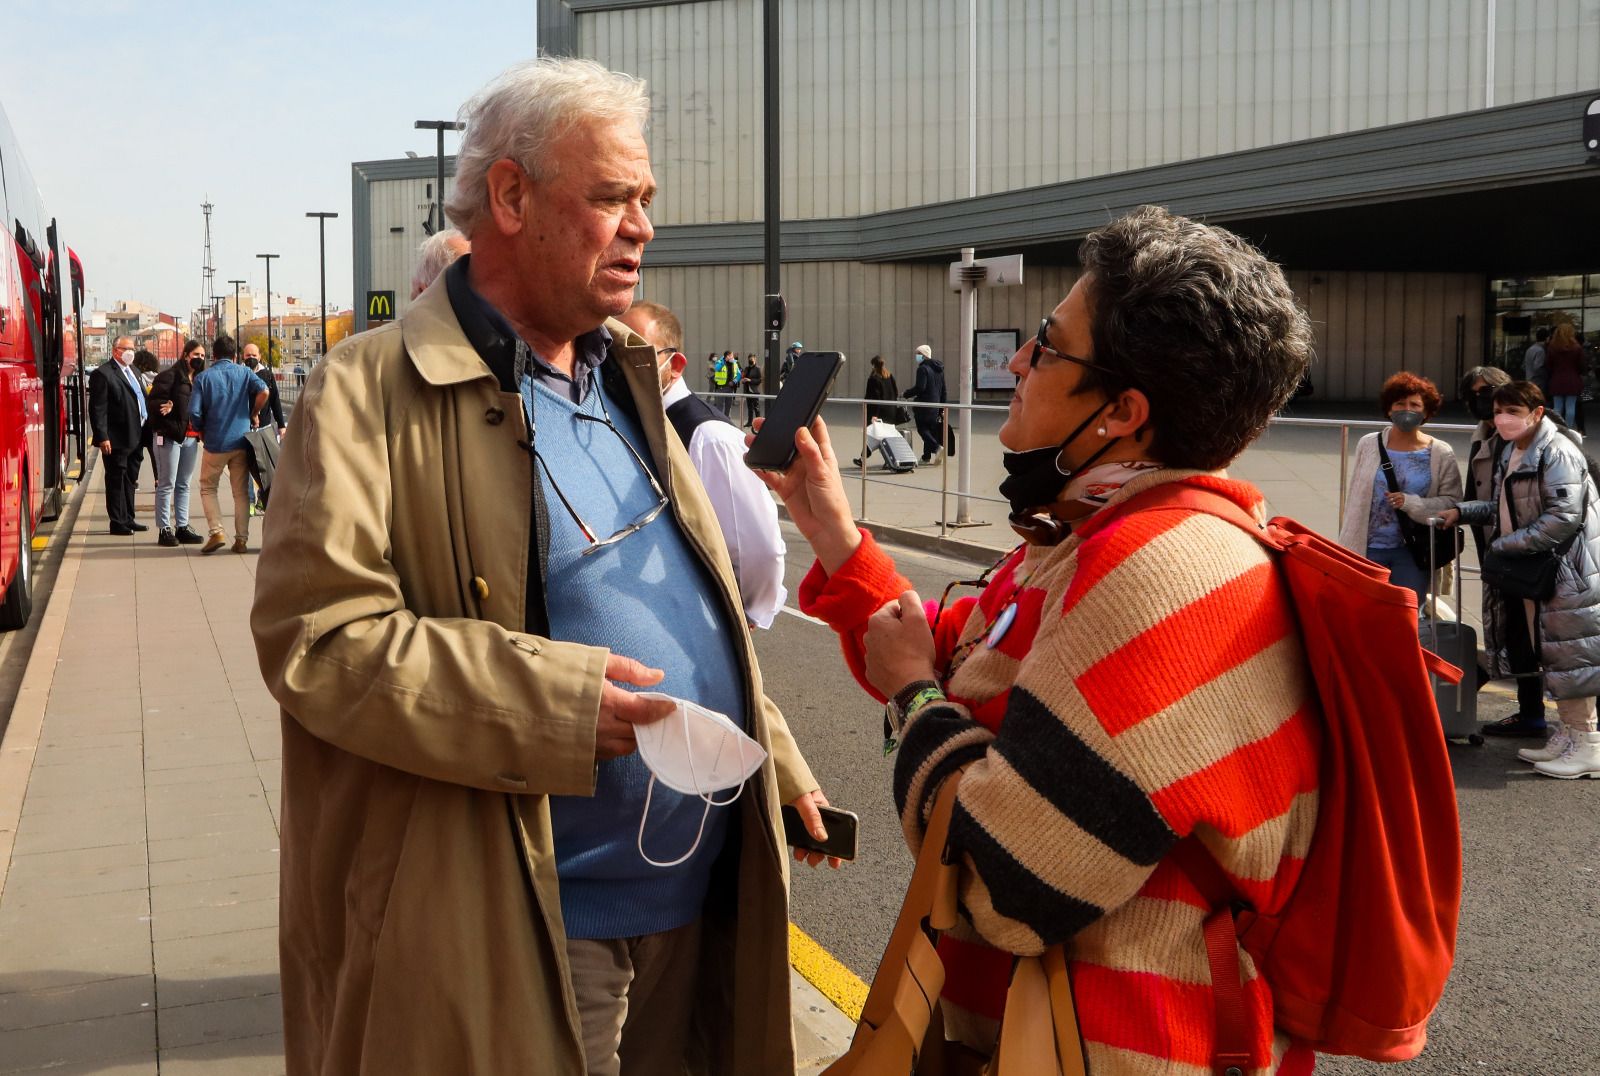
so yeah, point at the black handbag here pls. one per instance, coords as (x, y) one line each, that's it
(1446, 544)
(1529, 575)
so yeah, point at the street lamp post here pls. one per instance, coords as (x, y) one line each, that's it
(235, 284)
(267, 358)
(322, 254)
(440, 127)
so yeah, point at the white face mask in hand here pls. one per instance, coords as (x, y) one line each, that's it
(697, 752)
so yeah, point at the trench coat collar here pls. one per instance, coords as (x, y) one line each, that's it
(443, 355)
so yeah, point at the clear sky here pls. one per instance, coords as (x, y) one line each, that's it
(133, 112)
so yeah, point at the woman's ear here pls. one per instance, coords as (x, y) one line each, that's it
(1129, 415)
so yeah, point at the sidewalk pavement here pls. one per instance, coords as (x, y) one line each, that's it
(139, 786)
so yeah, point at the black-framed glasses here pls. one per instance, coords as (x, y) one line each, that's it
(595, 544)
(1041, 343)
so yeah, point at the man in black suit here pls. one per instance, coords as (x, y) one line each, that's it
(116, 417)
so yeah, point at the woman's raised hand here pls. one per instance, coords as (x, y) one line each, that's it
(813, 492)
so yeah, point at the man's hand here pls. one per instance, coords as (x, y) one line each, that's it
(899, 645)
(105, 448)
(621, 709)
(807, 806)
(1449, 517)
(813, 492)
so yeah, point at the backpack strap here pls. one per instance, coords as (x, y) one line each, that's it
(1231, 1049)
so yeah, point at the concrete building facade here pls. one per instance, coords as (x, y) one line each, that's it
(1416, 165)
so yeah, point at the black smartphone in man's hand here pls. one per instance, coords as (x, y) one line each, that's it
(841, 827)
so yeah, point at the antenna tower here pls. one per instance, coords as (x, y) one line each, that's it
(207, 272)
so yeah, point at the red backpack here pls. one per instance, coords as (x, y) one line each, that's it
(1357, 959)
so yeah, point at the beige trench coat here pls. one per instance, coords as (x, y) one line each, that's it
(420, 922)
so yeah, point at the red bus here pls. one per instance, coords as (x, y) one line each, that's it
(41, 295)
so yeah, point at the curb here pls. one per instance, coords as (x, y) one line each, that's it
(20, 741)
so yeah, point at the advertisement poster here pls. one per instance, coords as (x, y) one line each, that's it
(993, 350)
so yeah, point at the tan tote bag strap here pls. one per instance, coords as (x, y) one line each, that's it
(906, 988)
(1039, 1034)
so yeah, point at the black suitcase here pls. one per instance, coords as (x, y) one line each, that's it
(1457, 643)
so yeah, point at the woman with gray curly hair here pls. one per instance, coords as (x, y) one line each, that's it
(1125, 678)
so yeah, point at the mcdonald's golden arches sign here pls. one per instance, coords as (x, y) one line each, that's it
(380, 306)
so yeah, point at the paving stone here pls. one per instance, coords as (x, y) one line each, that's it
(106, 1038)
(261, 1056)
(81, 1001)
(88, 966)
(84, 908)
(225, 866)
(219, 1021)
(184, 956)
(48, 936)
(215, 919)
(200, 774)
(24, 886)
(77, 835)
(172, 824)
(258, 836)
(244, 980)
(215, 892)
(38, 802)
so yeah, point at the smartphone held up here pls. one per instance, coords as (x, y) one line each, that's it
(796, 405)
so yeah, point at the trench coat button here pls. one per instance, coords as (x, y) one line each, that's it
(480, 588)
(494, 416)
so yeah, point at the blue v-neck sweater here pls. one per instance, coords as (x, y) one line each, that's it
(645, 597)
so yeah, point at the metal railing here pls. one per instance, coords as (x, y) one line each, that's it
(863, 480)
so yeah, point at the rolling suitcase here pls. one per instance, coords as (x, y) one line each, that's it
(897, 454)
(1457, 643)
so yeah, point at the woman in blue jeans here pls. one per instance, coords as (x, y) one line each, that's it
(177, 450)
(1425, 470)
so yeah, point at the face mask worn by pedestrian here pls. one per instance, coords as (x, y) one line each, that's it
(1482, 405)
(1511, 427)
(1406, 421)
(697, 752)
(196, 365)
(1037, 477)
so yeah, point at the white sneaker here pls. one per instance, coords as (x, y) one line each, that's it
(1580, 759)
(1553, 748)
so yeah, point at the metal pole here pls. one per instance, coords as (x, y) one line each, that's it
(322, 255)
(944, 471)
(267, 358)
(969, 326)
(770, 175)
(236, 284)
(440, 126)
(863, 461)
(1344, 472)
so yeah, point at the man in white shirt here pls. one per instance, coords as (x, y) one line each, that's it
(745, 510)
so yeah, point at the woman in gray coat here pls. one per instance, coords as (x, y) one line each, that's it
(1542, 501)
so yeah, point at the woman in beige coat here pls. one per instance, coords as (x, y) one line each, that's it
(1424, 467)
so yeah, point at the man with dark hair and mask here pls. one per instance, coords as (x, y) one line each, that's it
(1126, 677)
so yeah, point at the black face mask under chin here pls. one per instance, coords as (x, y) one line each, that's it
(1036, 477)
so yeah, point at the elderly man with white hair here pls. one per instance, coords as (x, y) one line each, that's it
(435, 255)
(482, 529)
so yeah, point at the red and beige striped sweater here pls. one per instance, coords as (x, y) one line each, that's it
(1152, 685)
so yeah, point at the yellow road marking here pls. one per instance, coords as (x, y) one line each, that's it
(41, 542)
(818, 967)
